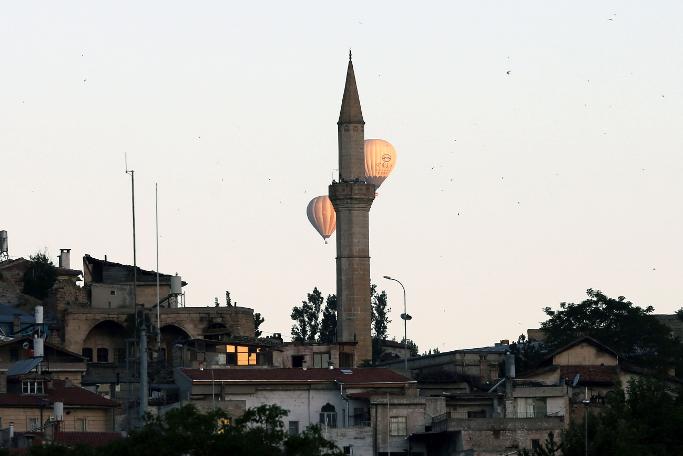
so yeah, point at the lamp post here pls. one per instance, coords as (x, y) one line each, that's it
(405, 317)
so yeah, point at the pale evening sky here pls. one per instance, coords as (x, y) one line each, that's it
(512, 192)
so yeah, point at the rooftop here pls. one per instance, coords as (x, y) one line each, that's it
(368, 375)
(70, 395)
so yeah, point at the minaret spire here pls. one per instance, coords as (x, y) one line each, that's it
(350, 112)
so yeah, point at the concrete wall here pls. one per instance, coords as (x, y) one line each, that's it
(289, 350)
(495, 436)
(584, 354)
(97, 420)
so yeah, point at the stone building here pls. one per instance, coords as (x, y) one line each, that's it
(365, 411)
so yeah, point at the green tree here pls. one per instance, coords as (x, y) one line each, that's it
(188, 432)
(380, 313)
(40, 277)
(307, 317)
(630, 330)
(258, 320)
(328, 324)
(549, 448)
(412, 347)
(644, 420)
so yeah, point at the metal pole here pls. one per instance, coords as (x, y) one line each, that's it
(405, 318)
(143, 370)
(156, 222)
(405, 327)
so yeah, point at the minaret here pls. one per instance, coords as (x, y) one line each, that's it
(352, 199)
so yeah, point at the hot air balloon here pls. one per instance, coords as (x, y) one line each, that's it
(322, 216)
(380, 159)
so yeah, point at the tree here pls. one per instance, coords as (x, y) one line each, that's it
(307, 317)
(228, 300)
(630, 330)
(549, 448)
(328, 325)
(258, 319)
(644, 420)
(527, 353)
(40, 277)
(185, 431)
(380, 313)
(412, 347)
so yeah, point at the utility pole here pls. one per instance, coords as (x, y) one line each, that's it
(156, 223)
(139, 326)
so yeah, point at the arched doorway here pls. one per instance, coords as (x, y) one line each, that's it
(171, 335)
(105, 343)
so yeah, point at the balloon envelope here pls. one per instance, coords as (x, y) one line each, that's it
(380, 159)
(322, 216)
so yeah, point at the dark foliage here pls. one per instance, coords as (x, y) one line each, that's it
(328, 324)
(628, 329)
(644, 421)
(258, 319)
(40, 277)
(186, 431)
(307, 317)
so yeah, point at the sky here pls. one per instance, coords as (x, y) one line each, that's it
(539, 149)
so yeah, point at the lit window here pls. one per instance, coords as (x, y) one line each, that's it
(240, 355)
(398, 425)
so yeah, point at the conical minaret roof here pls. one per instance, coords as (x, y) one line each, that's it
(350, 108)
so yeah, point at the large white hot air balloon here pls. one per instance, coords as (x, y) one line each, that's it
(322, 216)
(380, 159)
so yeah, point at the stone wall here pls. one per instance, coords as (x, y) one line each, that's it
(493, 436)
(193, 320)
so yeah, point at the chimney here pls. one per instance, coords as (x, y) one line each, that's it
(65, 258)
(509, 365)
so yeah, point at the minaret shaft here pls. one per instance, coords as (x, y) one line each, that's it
(352, 199)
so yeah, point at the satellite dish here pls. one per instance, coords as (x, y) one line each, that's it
(25, 345)
(576, 380)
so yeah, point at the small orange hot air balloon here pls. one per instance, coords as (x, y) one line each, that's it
(322, 216)
(380, 159)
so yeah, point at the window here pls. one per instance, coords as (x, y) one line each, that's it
(398, 425)
(348, 449)
(293, 428)
(87, 354)
(32, 387)
(345, 360)
(240, 355)
(321, 360)
(476, 414)
(102, 355)
(361, 416)
(32, 423)
(14, 354)
(81, 425)
(535, 444)
(297, 361)
(328, 415)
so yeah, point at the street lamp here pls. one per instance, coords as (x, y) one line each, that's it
(405, 317)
